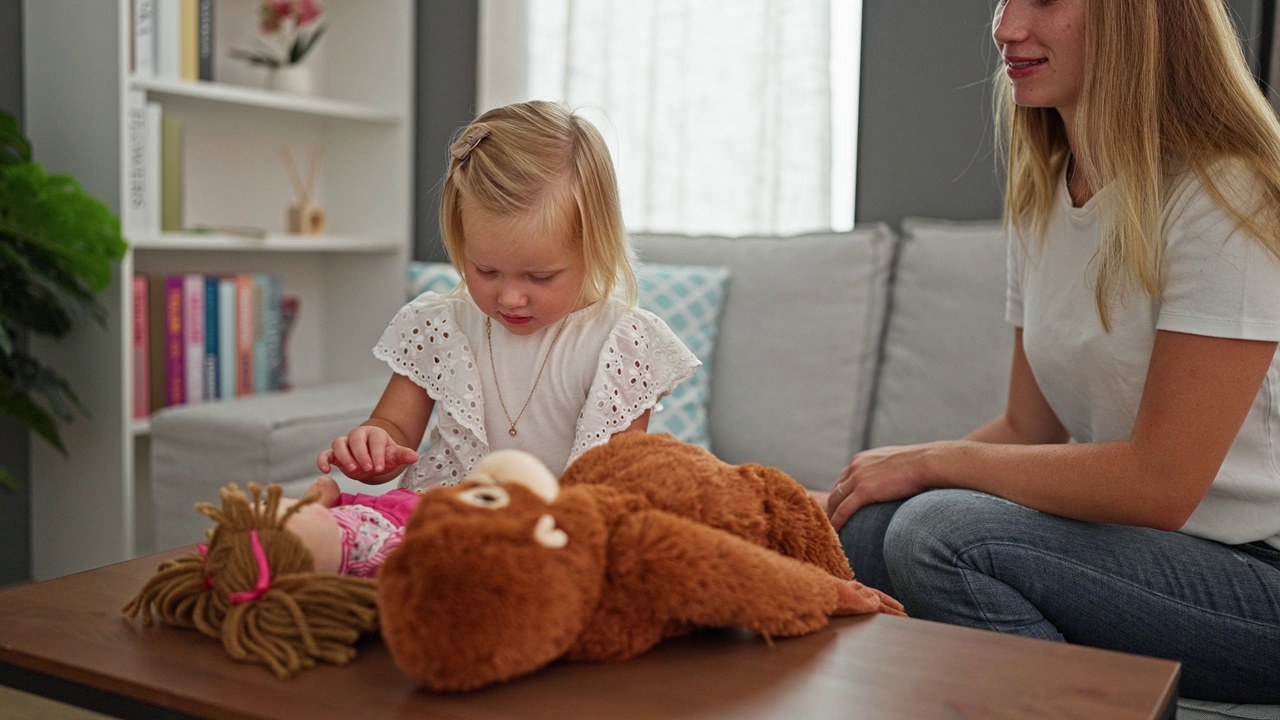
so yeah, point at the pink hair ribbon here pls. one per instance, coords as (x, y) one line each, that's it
(206, 582)
(264, 574)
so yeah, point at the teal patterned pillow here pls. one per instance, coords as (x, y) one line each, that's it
(436, 277)
(688, 298)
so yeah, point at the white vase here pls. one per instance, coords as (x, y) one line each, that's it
(295, 79)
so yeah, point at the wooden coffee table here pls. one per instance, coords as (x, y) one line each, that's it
(65, 638)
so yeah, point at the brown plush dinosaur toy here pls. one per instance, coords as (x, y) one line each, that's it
(642, 539)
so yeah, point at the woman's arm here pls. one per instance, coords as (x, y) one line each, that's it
(1198, 392)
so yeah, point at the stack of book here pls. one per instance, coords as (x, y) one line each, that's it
(200, 337)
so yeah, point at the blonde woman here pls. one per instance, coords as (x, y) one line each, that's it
(1129, 495)
(542, 348)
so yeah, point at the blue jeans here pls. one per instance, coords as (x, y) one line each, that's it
(967, 558)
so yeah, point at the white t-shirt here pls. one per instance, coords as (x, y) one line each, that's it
(606, 370)
(1217, 282)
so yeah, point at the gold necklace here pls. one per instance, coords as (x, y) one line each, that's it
(488, 337)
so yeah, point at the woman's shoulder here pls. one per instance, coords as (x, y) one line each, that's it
(1217, 185)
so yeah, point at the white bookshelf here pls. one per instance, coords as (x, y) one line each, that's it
(92, 508)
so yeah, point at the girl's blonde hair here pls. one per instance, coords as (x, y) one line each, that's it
(288, 618)
(1165, 88)
(539, 159)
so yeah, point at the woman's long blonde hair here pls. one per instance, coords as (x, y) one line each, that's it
(539, 158)
(1166, 87)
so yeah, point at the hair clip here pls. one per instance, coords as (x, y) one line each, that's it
(463, 147)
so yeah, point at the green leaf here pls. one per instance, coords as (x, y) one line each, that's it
(58, 247)
(8, 480)
(14, 147)
(35, 418)
(302, 46)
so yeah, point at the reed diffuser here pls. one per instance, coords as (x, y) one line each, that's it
(305, 217)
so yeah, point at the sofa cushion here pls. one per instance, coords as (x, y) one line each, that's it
(791, 379)
(946, 321)
(267, 438)
(688, 298)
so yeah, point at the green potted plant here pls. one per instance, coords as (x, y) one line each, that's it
(57, 244)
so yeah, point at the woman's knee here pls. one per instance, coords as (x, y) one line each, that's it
(946, 521)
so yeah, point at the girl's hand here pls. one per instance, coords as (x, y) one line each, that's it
(365, 454)
(880, 475)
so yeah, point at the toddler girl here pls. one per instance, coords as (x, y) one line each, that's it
(541, 347)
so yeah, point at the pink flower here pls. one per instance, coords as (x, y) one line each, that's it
(286, 20)
(308, 11)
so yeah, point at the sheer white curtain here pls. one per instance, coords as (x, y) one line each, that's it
(729, 117)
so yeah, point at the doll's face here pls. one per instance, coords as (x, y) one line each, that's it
(319, 532)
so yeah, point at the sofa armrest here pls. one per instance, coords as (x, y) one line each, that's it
(270, 438)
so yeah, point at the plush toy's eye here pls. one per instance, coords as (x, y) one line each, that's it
(486, 497)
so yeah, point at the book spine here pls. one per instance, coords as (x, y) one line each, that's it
(288, 318)
(245, 314)
(144, 38)
(171, 180)
(261, 354)
(168, 39)
(204, 40)
(139, 350)
(193, 335)
(274, 330)
(227, 337)
(175, 369)
(212, 338)
(157, 342)
(138, 206)
(151, 181)
(190, 48)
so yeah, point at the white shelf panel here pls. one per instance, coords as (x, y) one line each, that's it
(272, 242)
(270, 99)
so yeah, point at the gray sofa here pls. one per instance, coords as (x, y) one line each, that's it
(825, 344)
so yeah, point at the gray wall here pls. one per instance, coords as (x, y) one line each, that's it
(924, 124)
(15, 506)
(446, 82)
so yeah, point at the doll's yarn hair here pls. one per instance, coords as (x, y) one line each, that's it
(254, 588)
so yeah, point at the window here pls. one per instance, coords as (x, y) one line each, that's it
(728, 117)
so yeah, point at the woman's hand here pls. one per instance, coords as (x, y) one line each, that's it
(881, 475)
(366, 454)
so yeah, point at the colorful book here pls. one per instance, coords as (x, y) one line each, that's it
(226, 337)
(189, 58)
(193, 335)
(267, 370)
(212, 338)
(168, 346)
(204, 41)
(139, 349)
(288, 319)
(171, 169)
(245, 314)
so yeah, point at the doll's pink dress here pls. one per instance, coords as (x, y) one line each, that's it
(372, 526)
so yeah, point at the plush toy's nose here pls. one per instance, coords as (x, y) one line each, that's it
(519, 468)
